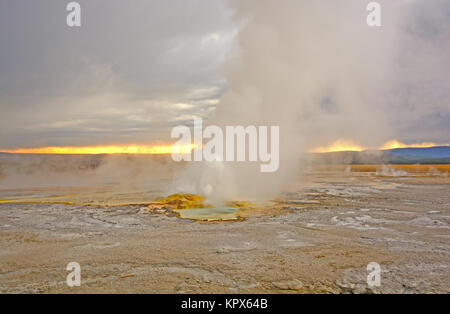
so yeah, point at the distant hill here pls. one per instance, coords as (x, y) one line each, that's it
(429, 155)
(429, 152)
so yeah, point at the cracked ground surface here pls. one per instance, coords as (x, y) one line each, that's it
(327, 231)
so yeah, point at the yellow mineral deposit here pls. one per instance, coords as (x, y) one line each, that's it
(240, 204)
(195, 207)
(184, 201)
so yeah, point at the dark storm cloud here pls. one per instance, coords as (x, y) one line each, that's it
(128, 73)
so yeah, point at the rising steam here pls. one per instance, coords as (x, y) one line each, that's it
(316, 69)
(313, 68)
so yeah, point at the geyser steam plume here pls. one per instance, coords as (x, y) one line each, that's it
(316, 69)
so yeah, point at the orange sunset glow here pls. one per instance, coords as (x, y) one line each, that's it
(339, 146)
(111, 149)
(342, 145)
(396, 144)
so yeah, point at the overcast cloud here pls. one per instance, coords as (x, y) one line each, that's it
(129, 73)
(134, 69)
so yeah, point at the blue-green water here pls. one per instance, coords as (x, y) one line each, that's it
(215, 213)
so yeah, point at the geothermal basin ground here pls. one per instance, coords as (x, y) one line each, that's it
(317, 237)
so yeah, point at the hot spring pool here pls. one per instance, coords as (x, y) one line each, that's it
(208, 214)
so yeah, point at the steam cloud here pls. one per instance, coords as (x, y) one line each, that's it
(316, 69)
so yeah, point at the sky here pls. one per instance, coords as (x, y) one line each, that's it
(132, 72)
(127, 75)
